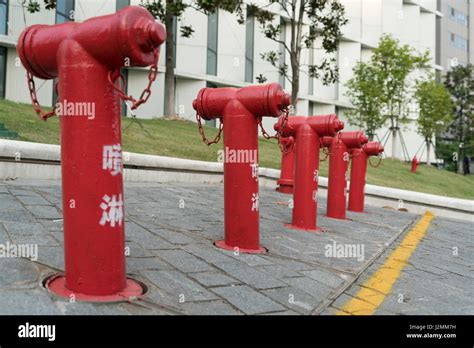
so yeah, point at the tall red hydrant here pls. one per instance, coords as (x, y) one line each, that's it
(359, 158)
(240, 111)
(307, 131)
(287, 172)
(414, 164)
(338, 165)
(87, 58)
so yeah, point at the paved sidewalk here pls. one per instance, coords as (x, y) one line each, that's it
(171, 251)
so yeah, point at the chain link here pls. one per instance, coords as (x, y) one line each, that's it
(327, 150)
(135, 103)
(203, 135)
(378, 163)
(34, 99)
(278, 133)
(326, 153)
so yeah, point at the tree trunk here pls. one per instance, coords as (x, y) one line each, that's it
(295, 83)
(169, 107)
(394, 142)
(371, 137)
(460, 160)
(428, 153)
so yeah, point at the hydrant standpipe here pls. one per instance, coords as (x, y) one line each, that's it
(240, 110)
(287, 172)
(307, 131)
(338, 165)
(359, 158)
(87, 58)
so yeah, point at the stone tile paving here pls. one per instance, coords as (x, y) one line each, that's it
(439, 276)
(169, 232)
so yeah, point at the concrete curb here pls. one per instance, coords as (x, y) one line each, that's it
(26, 160)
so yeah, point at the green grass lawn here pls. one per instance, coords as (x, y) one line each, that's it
(177, 138)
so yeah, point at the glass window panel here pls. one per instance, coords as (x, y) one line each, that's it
(3, 71)
(212, 28)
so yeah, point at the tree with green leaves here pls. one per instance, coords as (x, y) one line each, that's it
(460, 83)
(309, 21)
(389, 68)
(435, 111)
(365, 94)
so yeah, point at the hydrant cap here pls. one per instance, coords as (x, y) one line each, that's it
(338, 125)
(278, 100)
(157, 33)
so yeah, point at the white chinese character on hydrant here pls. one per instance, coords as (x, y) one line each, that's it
(112, 210)
(112, 159)
(316, 175)
(315, 196)
(254, 171)
(255, 201)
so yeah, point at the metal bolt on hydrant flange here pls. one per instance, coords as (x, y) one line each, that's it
(240, 111)
(87, 58)
(306, 131)
(359, 158)
(338, 165)
(287, 172)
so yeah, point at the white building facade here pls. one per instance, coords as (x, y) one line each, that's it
(222, 52)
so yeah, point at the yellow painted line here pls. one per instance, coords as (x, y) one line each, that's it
(374, 290)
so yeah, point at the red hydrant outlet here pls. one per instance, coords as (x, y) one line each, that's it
(285, 183)
(239, 111)
(307, 132)
(83, 56)
(359, 157)
(338, 165)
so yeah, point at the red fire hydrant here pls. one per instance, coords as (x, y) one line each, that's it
(241, 110)
(285, 183)
(338, 164)
(414, 164)
(307, 131)
(87, 58)
(359, 157)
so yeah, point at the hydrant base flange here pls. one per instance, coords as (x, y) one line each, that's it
(294, 227)
(56, 284)
(221, 244)
(285, 188)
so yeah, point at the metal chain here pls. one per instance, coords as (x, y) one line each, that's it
(326, 153)
(378, 163)
(203, 135)
(34, 99)
(152, 74)
(278, 133)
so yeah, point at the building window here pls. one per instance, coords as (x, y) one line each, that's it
(458, 42)
(64, 11)
(458, 16)
(249, 46)
(3, 17)
(120, 4)
(282, 52)
(212, 27)
(3, 71)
